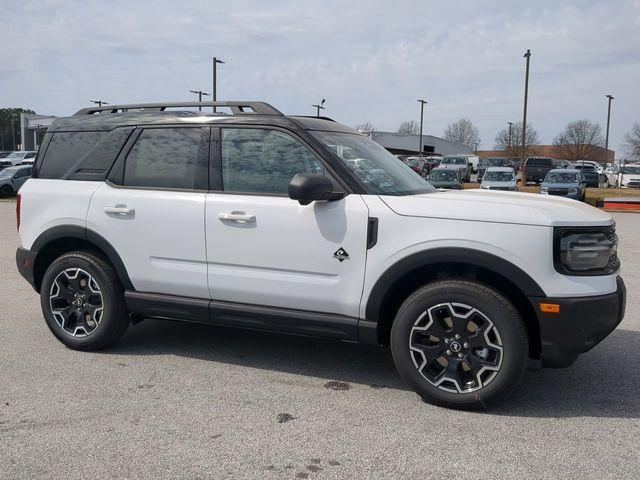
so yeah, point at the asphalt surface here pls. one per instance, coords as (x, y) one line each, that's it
(174, 400)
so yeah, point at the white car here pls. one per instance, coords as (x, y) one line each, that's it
(499, 178)
(257, 220)
(630, 177)
(16, 158)
(596, 165)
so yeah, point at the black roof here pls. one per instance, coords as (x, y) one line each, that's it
(109, 117)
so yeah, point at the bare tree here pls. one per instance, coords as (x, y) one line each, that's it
(580, 140)
(409, 127)
(462, 131)
(513, 147)
(366, 126)
(631, 143)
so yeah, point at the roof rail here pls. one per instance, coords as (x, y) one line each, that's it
(237, 108)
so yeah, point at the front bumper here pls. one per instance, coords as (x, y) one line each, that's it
(580, 324)
(24, 261)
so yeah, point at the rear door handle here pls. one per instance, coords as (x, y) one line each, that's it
(238, 217)
(119, 210)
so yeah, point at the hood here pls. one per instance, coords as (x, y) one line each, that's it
(444, 183)
(499, 207)
(560, 185)
(492, 183)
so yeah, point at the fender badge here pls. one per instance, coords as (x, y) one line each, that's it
(341, 254)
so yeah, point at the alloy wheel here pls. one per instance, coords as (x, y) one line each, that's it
(76, 302)
(456, 347)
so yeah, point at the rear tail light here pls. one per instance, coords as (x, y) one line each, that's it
(18, 201)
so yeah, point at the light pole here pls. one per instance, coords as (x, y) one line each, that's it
(13, 129)
(509, 140)
(527, 55)
(319, 107)
(216, 61)
(99, 102)
(422, 103)
(606, 142)
(478, 142)
(200, 93)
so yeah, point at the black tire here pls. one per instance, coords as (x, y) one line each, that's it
(6, 191)
(113, 318)
(507, 361)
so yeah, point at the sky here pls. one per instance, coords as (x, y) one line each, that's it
(371, 60)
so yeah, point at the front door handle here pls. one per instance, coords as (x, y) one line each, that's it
(120, 210)
(238, 217)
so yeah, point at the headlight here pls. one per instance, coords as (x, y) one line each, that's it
(486, 186)
(586, 251)
(544, 189)
(573, 190)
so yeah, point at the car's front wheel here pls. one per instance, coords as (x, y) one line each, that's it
(5, 191)
(83, 301)
(459, 344)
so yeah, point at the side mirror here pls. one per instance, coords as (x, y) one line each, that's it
(311, 187)
(518, 180)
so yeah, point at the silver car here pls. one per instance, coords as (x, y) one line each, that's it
(12, 178)
(500, 178)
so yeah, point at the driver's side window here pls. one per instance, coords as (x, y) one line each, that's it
(256, 160)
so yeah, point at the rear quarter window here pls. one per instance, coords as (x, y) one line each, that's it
(64, 150)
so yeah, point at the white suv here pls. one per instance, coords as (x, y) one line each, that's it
(303, 225)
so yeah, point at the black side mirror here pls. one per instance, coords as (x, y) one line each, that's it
(311, 187)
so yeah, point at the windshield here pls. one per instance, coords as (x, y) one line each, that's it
(380, 171)
(499, 176)
(585, 168)
(8, 172)
(443, 176)
(493, 162)
(15, 155)
(453, 161)
(633, 170)
(561, 177)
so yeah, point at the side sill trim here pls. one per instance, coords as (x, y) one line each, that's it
(257, 317)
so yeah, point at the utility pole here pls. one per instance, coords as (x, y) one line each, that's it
(478, 142)
(319, 107)
(214, 90)
(527, 55)
(422, 102)
(13, 129)
(509, 141)
(200, 93)
(99, 102)
(606, 142)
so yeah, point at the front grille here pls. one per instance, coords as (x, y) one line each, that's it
(633, 183)
(558, 191)
(499, 188)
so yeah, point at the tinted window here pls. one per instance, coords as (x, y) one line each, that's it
(164, 158)
(96, 165)
(263, 161)
(23, 172)
(65, 149)
(30, 155)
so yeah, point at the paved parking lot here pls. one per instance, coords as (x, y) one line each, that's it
(177, 400)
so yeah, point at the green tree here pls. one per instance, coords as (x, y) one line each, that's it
(10, 124)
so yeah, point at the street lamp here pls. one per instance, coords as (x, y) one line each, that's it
(99, 102)
(606, 142)
(13, 129)
(527, 55)
(216, 61)
(422, 103)
(478, 142)
(319, 107)
(200, 93)
(509, 140)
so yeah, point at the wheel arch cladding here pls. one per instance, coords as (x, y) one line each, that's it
(413, 271)
(67, 238)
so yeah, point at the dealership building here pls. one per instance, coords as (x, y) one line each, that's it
(403, 144)
(32, 129)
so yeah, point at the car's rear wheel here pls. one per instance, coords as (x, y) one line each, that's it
(83, 301)
(5, 191)
(459, 344)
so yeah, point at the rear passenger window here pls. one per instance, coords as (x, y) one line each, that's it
(263, 161)
(65, 149)
(164, 158)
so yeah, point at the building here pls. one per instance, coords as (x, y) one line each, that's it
(32, 129)
(551, 151)
(402, 144)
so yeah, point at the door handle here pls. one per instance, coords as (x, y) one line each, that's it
(120, 210)
(239, 217)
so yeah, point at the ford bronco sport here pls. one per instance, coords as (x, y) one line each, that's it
(302, 225)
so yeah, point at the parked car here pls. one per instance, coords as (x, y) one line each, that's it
(492, 162)
(590, 175)
(303, 225)
(14, 158)
(596, 165)
(474, 160)
(630, 175)
(418, 165)
(565, 182)
(12, 178)
(500, 178)
(5, 153)
(447, 178)
(536, 168)
(459, 162)
(432, 162)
